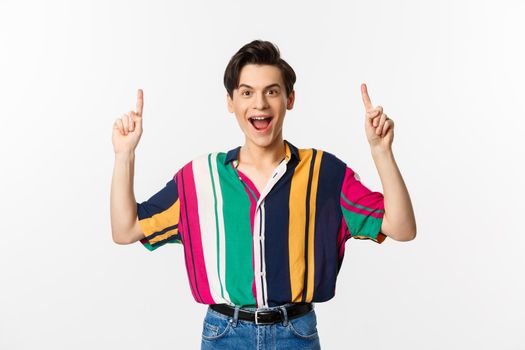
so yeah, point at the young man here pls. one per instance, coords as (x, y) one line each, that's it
(264, 225)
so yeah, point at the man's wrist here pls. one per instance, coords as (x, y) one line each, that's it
(381, 152)
(125, 156)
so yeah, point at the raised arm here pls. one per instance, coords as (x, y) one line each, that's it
(127, 130)
(399, 221)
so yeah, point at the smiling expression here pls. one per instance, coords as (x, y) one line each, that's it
(260, 103)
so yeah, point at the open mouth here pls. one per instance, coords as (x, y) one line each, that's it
(260, 123)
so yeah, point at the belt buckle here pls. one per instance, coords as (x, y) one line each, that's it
(257, 319)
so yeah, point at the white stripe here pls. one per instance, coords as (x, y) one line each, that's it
(220, 219)
(257, 258)
(205, 201)
(263, 253)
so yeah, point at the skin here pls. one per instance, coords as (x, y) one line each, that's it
(129, 124)
(127, 131)
(399, 221)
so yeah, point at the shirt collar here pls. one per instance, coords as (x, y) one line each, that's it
(291, 152)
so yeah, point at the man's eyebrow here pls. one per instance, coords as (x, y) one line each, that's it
(267, 87)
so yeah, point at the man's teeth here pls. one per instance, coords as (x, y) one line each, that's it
(259, 118)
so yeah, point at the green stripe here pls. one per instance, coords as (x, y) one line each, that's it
(362, 225)
(236, 214)
(173, 239)
(360, 206)
(216, 223)
(249, 189)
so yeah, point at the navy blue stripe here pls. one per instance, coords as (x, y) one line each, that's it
(277, 219)
(170, 239)
(159, 202)
(328, 216)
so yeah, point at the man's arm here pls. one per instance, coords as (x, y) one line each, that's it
(125, 227)
(399, 222)
(127, 130)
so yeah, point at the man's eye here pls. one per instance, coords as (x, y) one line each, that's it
(245, 93)
(273, 92)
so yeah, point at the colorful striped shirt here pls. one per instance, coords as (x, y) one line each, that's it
(246, 248)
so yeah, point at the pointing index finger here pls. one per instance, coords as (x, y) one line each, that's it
(140, 102)
(366, 98)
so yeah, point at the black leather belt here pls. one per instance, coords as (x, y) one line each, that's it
(263, 316)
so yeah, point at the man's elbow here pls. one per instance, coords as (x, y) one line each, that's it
(400, 233)
(120, 239)
(403, 231)
(406, 235)
(128, 236)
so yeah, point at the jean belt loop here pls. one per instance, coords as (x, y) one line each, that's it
(235, 316)
(285, 315)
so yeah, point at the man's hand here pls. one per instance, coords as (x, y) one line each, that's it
(379, 128)
(128, 129)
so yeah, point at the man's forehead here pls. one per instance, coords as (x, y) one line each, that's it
(260, 76)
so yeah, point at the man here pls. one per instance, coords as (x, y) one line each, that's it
(264, 225)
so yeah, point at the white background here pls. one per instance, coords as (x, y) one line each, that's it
(449, 73)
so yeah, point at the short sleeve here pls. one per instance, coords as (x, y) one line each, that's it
(363, 209)
(159, 217)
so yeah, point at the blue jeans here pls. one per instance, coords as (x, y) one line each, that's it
(224, 332)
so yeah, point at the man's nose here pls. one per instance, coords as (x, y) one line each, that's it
(260, 101)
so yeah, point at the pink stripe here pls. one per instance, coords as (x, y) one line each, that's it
(193, 227)
(184, 236)
(342, 237)
(249, 183)
(358, 193)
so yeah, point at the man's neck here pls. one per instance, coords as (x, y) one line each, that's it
(262, 157)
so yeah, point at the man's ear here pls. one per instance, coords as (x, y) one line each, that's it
(291, 99)
(229, 102)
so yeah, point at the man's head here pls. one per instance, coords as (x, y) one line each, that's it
(261, 53)
(259, 84)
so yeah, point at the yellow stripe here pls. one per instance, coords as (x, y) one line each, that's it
(296, 228)
(164, 236)
(160, 221)
(311, 227)
(287, 151)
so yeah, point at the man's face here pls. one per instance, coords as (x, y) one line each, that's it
(260, 104)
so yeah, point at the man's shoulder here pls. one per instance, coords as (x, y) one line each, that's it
(209, 155)
(327, 156)
(208, 159)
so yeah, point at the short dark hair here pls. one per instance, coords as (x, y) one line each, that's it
(257, 52)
